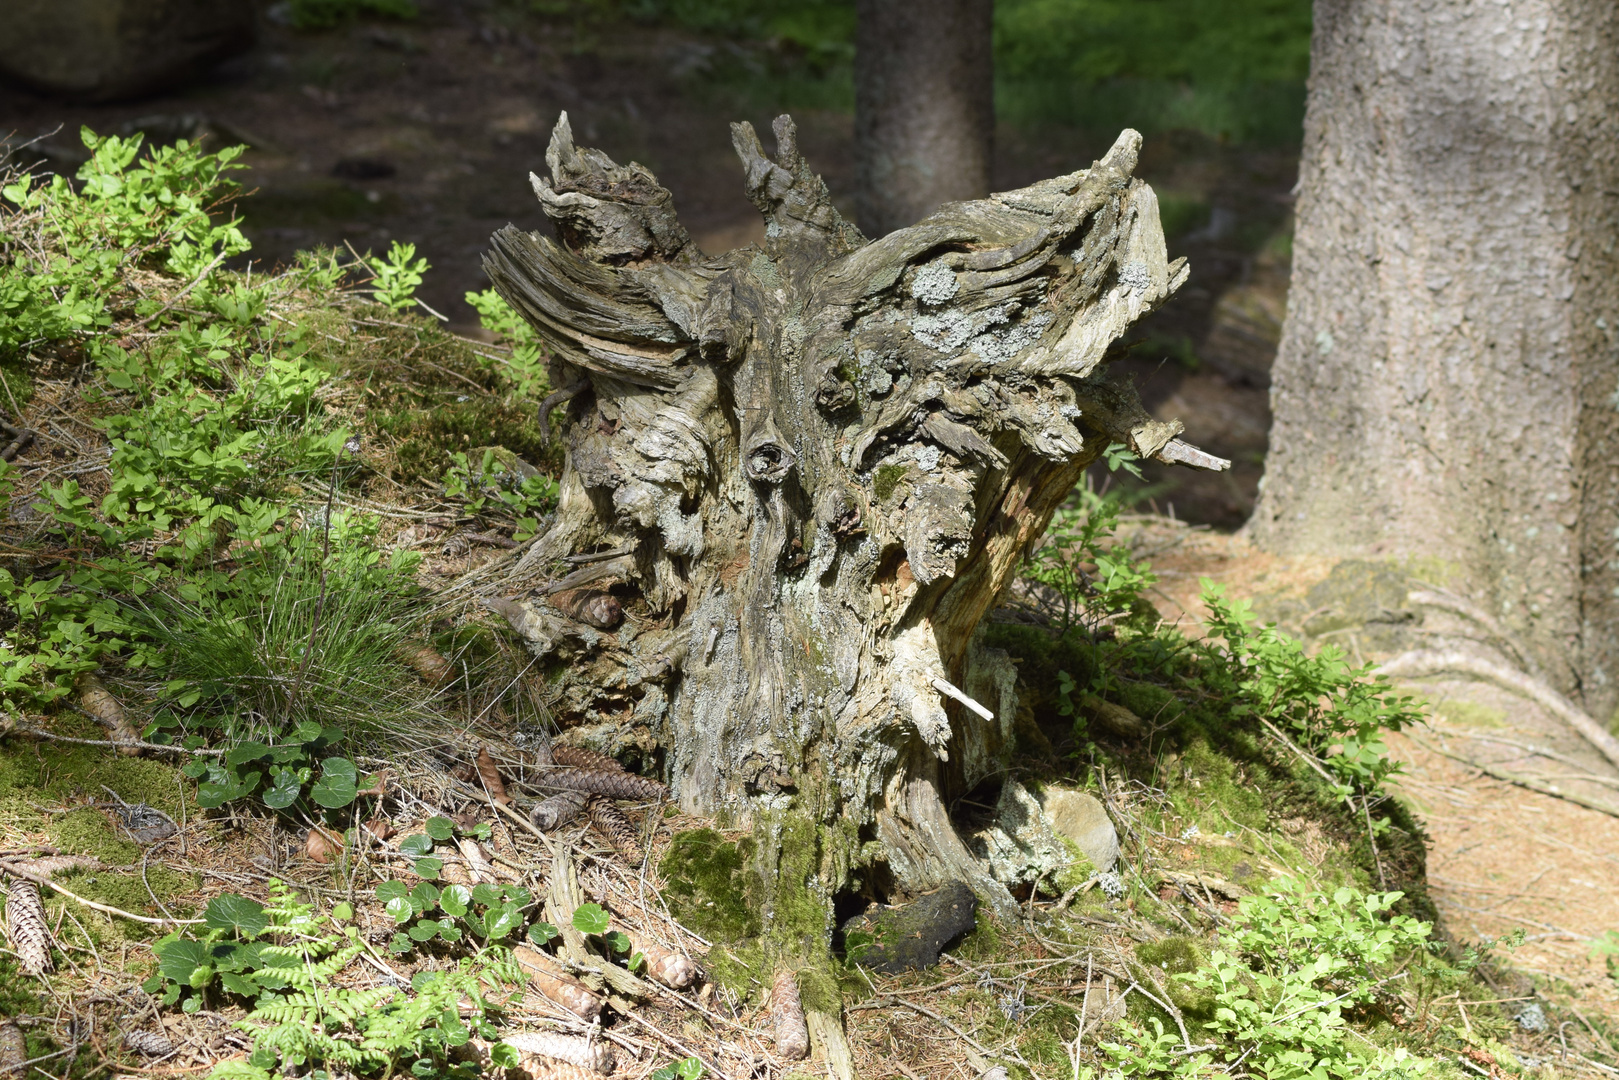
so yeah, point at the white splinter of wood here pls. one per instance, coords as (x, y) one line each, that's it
(1176, 452)
(950, 690)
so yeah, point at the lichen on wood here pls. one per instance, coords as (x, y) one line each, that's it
(805, 470)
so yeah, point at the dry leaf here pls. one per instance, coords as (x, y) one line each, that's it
(380, 827)
(792, 1034)
(477, 866)
(490, 775)
(550, 980)
(322, 845)
(26, 926)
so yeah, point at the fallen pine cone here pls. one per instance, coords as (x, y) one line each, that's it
(578, 757)
(13, 1048)
(427, 662)
(792, 1034)
(561, 988)
(97, 700)
(611, 823)
(670, 968)
(26, 926)
(615, 785)
(46, 865)
(589, 606)
(150, 1043)
(558, 810)
(597, 1056)
(490, 775)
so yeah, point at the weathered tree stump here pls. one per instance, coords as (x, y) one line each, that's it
(807, 471)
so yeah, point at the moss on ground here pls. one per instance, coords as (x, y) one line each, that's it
(706, 885)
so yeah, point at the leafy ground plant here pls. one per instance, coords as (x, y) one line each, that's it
(1282, 977)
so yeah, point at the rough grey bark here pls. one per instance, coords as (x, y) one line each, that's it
(806, 471)
(924, 107)
(1445, 388)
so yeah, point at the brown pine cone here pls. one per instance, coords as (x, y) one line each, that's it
(589, 606)
(29, 932)
(669, 968)
(46, 865)
(578, 757)
(150, 1043)
(792, 1033)
(13, 1049)
(615, 785)
(597, 1056)
(549, 979)
(610, 821)
(558, 810)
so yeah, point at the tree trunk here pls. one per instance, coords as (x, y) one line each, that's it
(806, 471)
(1445, 388)
(924, 107)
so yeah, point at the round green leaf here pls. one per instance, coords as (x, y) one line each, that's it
(390, 890)
(590, 919)
(541, 933)
(428, 868)
(416, 844)
(337, 785)
(235, 913)
(440, 828)
(455, 900)
(486, 894)
(283, 789)
(398, 909)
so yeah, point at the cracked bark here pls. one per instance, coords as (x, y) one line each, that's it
(811, 468)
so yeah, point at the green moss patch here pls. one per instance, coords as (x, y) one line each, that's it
(706, 888)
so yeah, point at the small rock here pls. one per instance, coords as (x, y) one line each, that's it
(1058, 837)
(1082, 820)
(912, 935)
(1532, 1017)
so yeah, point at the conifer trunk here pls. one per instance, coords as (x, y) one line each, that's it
(1445, 388)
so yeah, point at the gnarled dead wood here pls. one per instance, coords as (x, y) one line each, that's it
(815, 464)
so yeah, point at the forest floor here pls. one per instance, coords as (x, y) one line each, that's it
(424, 133)
(1501, 858)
